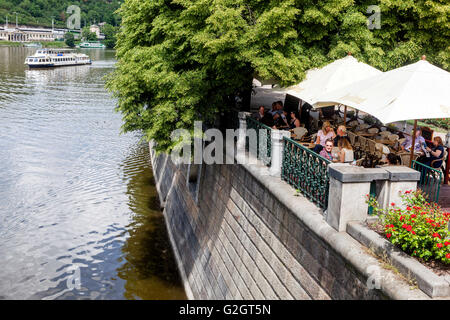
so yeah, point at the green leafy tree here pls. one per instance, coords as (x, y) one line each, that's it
(110, 33)
(69, 39)
(183, 60)
(88, 35)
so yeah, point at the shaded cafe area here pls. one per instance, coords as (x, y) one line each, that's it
(351, 113)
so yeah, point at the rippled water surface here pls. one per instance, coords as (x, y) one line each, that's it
(79, 214)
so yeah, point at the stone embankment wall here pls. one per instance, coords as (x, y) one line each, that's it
(238, 233)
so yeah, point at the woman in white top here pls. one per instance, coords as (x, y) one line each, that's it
(346, 151)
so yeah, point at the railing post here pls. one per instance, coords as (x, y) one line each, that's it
(349, 187)
(242, 130)
(400, 179)
(277, 151)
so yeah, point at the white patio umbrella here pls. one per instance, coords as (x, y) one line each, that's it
(416, 91)
(331, 77)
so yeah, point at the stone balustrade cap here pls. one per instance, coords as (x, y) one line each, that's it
(402, 173)
(244, 115)
(279, 134)
(349, 173)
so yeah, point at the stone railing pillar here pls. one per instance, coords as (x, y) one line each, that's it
(277, 151)
(400, 179)
(242, 130)
(349, 186)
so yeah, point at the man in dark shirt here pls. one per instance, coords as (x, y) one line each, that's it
(260, 114)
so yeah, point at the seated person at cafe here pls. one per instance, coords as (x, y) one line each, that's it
(418, 145)
(345, 151)
(326, 150)
(323, 135)
(295, 121)
(279, 116)
(391, 160)
(274, 109)
(436, 153)
(341, 135)
(260, 114)
(267, 119)
(305, 117)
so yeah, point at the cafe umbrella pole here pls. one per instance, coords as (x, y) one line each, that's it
(413, 143)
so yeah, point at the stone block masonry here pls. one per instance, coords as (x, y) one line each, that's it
(249, 236)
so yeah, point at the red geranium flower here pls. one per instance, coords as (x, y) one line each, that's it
(408, 208)
(447, 243)
(439, 245)
(392, 204)
(436, 235)
(447, 255)
(389, 235)
(409, 228)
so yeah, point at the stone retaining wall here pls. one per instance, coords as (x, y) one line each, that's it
(250, 236)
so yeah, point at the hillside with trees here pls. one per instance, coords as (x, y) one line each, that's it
(41, 12)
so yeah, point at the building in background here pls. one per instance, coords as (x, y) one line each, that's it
(96, 29)
(31, 34)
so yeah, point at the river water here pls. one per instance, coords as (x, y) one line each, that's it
(79, 215)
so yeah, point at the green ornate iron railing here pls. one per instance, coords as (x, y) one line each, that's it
(306, 171)
(430, 180)
(259, 140)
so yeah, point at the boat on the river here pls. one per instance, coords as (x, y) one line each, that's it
(33, 45)
(48, 58)
(91, 45)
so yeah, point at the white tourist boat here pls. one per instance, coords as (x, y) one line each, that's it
(48, 58)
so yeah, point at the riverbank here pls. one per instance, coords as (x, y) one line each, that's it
(53, 44)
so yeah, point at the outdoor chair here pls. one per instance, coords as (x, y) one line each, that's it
(371, 146)
(363, 143)
(353, 123)
(404, 157)
(352, 137)
(300, 133)
(362, 127)
(393, 137)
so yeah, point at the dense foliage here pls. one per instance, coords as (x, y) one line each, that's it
(69, 38)
(40, 12)
(440, 123)
(186, 60)
(88, 35)
(110, 33)
(421, 229)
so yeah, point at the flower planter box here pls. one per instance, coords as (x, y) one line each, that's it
(433, 285)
